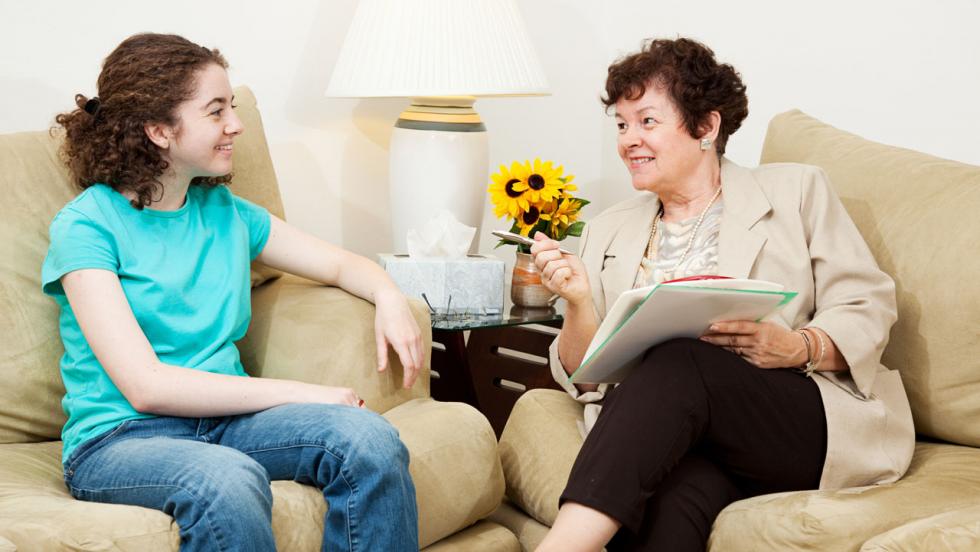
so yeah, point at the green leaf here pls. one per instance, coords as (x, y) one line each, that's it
(576, 229)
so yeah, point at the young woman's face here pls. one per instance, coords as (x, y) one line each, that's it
(202, 144)
(654, 143)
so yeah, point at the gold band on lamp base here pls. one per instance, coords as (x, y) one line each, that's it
(453, 113)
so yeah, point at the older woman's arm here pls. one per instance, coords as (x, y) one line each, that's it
(567, 276)
(577, 330)
(855, 300)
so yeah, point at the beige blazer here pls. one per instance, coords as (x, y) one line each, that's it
(784, 223)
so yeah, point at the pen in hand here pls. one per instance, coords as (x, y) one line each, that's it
(523, 240)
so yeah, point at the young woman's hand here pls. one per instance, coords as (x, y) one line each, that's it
(394, 325)
(323, 394)
(764, 344)
(563, 274)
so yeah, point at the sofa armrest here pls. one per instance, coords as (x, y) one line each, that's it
(305, 331)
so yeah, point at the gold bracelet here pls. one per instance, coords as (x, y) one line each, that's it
(809, 367)
(823, 347)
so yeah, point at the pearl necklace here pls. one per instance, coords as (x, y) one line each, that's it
(690, 241)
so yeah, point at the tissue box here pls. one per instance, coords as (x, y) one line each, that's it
(475, 282)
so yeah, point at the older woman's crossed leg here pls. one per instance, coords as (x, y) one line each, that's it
(689, 431)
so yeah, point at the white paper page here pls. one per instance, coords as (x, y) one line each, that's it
(628, 300)
(671, 311)
(625, 303)
(732, 283)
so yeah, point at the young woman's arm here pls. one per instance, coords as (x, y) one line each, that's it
(291, 250)
(150, 386)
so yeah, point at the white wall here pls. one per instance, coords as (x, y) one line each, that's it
(904, 73)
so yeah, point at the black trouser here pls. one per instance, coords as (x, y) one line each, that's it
(688, 432)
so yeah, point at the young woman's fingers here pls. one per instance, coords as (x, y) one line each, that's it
(382, 346)
(408, 363)
(418, 353)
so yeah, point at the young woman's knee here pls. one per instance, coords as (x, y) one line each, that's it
(230, 477)
(378, 444)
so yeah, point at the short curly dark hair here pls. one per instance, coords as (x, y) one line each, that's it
(143, 80)
(696, 83)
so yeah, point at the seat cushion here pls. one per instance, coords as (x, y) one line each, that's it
(942, 478)
(530, 532)
(918, 214)
(537, 449)
(955, 530)
(481, 537)
(453, 463)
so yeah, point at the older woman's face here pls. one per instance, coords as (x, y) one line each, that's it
(654, 143)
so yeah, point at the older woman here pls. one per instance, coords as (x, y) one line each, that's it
(799, 401)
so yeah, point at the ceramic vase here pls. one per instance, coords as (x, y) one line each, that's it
(526, 289)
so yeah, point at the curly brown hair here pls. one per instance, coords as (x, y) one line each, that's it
(696, 83)
(143, 80)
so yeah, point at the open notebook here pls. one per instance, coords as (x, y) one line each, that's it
(644, 317)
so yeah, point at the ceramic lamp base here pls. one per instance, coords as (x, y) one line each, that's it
(438, 160)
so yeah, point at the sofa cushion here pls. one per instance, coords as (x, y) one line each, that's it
(453, 463)
(254, 178)
(942, 478)
(537, 449)
(918, 214)
(481, 537)
(35, 185)
(530, 532)
(955, 530)
(305, 331)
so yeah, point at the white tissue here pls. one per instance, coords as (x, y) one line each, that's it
(441, 237)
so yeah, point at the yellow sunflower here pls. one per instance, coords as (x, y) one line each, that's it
(528, 220)
(567, 186)
(507, 200)
(562, 215)
(542, 181)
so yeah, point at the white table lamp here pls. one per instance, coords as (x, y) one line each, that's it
(442, 54)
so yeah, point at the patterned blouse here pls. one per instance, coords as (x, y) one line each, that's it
(672, 238)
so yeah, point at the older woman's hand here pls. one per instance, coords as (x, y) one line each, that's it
(563, 274)
(764, 344)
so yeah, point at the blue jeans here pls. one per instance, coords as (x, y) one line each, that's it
(212, 475)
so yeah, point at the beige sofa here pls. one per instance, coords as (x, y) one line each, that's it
(921, 217)
(299, 330)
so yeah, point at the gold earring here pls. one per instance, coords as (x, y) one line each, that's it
(705, 144)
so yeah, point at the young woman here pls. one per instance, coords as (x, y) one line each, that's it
(150, 266)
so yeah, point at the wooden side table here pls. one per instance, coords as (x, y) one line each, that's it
(505, 356)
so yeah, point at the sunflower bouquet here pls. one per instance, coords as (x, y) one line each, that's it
(537, 196)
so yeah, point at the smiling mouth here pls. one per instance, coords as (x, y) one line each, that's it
(223, 148)
(641, 160)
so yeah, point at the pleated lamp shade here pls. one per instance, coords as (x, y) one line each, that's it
(415, 48)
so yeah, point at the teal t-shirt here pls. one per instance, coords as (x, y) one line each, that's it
(185, 274)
